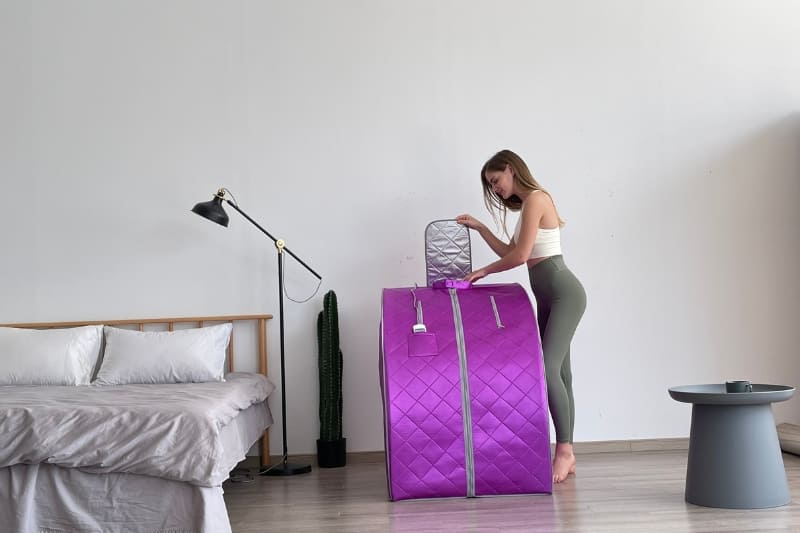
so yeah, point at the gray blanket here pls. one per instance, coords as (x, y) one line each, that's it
(169, 431)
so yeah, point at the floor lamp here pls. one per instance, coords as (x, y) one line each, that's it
(213, 211)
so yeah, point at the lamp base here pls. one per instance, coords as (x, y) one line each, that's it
(286, 469)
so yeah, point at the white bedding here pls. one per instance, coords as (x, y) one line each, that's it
(46, 498)
(171, 431)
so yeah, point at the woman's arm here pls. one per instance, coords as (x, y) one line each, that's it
(499, 247)
(533, 209)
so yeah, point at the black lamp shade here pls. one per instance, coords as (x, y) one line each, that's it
(213, 211)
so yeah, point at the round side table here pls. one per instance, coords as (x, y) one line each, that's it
(734, 455)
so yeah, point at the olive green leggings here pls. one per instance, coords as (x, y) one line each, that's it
(560, 302)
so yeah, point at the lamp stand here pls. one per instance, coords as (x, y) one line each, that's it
(285, 468)
(214, 212)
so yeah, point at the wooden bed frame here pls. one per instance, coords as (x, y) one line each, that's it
(200, 321)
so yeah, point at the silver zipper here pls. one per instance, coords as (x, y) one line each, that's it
(469, 453)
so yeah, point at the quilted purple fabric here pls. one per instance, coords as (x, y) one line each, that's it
(484, 435)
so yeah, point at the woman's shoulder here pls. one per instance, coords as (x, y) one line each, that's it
(539, 199)
(541, 209)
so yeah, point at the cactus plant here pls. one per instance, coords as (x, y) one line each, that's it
(331, 445)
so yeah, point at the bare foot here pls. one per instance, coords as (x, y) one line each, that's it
(563, 462)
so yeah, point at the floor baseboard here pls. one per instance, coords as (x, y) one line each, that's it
(789, 438)
(605, 446)
(637, 445)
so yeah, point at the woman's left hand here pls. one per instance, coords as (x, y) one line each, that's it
(476, 275)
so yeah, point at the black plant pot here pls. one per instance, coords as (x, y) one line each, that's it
(331, 453)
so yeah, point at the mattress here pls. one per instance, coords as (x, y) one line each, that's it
(172, 431)
(238, 435)
(48, 498)
(52, 498)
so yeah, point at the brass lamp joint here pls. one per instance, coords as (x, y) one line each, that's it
(279, 244)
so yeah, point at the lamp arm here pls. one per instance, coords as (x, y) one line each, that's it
(274, 240)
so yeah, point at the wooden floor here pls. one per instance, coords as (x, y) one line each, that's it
(612, 492)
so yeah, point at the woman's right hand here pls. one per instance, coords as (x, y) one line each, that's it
(469, 221)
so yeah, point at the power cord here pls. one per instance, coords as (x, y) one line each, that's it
(319, 284)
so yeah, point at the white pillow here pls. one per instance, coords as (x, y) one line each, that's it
(49, 356)
(183, 356)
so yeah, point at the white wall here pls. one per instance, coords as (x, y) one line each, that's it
(667, 131)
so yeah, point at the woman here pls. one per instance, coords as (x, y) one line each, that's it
(560, 297)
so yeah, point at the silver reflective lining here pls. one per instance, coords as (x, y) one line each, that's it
(469, 455)
(496, 313)
(447, 251)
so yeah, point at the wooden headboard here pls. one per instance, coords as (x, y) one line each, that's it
(198, 321)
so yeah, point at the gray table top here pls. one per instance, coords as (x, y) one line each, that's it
(714, 393)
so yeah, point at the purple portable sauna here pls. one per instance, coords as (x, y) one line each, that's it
(464, 396)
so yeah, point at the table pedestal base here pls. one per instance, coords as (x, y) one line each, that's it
(735, 458)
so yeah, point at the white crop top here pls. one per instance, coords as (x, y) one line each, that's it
(548, 241)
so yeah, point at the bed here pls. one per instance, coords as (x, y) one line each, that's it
(127, 425)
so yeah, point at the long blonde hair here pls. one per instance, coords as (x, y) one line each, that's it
(496, 204)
